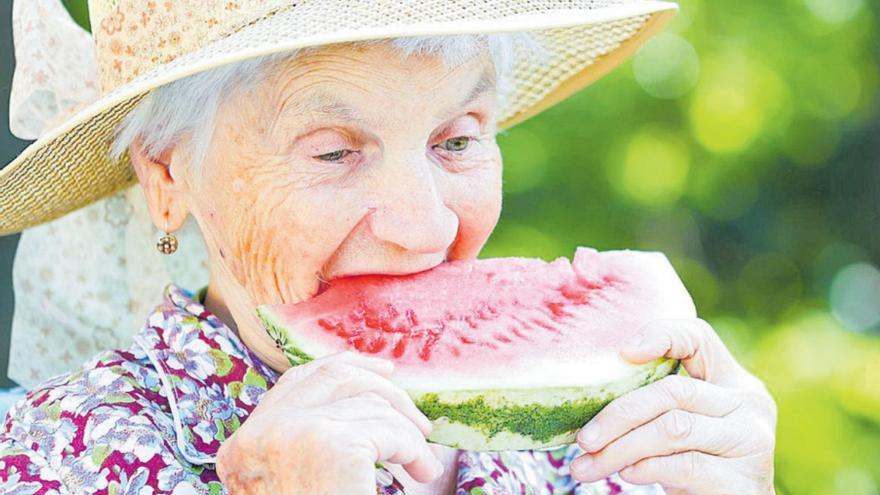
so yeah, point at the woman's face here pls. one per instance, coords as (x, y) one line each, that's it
(349, 161)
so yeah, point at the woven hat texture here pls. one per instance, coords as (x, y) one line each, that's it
(143, 44)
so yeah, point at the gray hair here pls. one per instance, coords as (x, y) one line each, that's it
(187, 107)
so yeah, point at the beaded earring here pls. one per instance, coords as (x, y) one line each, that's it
(167, 243)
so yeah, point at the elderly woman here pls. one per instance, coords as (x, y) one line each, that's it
(301, 166)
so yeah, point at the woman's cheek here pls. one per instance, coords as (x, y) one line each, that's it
(478, 205)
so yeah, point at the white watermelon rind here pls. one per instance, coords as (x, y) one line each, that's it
(502, 419)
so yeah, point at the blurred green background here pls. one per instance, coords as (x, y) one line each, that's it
(743, 143)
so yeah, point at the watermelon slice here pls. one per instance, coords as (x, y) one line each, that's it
(500, 353)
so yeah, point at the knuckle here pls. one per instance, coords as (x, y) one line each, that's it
(768, 404)
(703, 328)
(761, 403)
(676, 424)
(766, 438)
(683, 390)
(335, 371)
(289, 376)
(376, 399)
(624, 411)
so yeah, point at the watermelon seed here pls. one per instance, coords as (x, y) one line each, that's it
(399, 347)
(391, 312)
(377, 345)
(411, 318)
(519, 334)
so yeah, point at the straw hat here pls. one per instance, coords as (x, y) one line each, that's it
(142, 44)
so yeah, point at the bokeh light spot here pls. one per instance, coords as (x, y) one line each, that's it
(828, 88)
(831, 259)
(854, 481)
(724, 117)
(855, 296)
(810, 142)
(737, 100)
(834, 11)
(655, 167)
(667, 66)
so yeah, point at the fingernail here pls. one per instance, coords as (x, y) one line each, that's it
(438, 468)
(588, 435)
(581, 465)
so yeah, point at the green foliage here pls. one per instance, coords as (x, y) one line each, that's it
(742, 143)
(757, 177)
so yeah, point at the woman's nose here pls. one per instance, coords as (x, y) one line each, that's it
(411, 211)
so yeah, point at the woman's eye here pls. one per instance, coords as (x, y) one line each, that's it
(334, 156)
(456, 144)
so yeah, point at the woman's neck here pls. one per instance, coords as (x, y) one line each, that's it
(213, 302)
(236, 310)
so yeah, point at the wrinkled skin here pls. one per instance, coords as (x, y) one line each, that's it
(287, 197)
(710, 433)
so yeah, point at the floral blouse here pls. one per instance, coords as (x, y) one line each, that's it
(149, 419)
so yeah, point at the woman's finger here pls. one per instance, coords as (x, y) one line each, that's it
(393, 436)
(379, 366)
(642, 405)
(361, 381)
(673, 432)
(337, 380)
(283, 392)
(691, 340)
(691, 472)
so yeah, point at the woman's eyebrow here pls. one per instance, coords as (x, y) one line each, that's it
(485, 84)
(325, 104)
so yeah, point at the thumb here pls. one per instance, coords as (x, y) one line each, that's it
(691, 340)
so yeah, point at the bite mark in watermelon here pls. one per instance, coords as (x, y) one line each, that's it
(500, 353)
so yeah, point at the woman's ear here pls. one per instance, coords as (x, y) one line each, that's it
(165, 193)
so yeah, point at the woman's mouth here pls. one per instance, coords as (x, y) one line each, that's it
(323, 285)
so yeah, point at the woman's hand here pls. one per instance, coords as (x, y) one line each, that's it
(322, 428)
(711, 433)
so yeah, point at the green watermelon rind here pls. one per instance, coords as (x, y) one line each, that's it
(525, 419)
(283, 340)
(503, 419)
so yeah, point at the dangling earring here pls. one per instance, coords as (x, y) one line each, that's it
(167, 243)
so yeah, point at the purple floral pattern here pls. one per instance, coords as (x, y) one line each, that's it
(149, 419)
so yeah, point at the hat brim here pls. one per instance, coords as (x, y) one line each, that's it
(69, 166)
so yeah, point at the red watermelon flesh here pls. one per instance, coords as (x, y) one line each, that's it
(500, 322)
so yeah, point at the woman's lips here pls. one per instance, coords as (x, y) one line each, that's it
(322, 286)
(325, 284)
